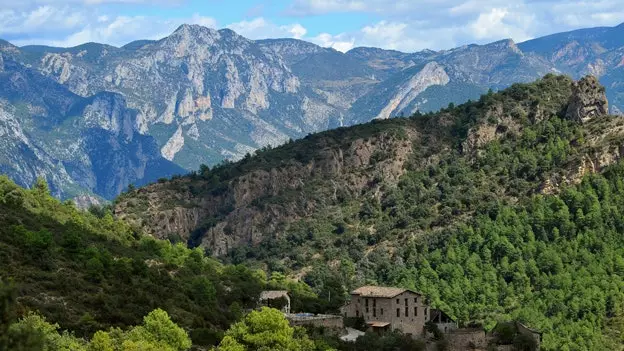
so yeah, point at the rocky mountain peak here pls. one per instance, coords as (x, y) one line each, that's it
(190, 35)
(291, 49)
(198, 41)
(192, 29)
(505, 44)
(588, 100)
(8, 48)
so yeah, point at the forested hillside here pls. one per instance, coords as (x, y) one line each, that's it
(87, 272)
(508, 207)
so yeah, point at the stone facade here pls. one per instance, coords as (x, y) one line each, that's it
(390, 309)
(316, 320)
(468, 339)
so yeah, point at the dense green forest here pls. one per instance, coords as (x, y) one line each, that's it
(87, 271)
(474, 233)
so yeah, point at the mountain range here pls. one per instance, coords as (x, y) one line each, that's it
(93, 119)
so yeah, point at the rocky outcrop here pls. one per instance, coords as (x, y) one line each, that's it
(588, 100)
(84, 201)
(109, 112)
(348, 169)
(61, 67)
(79, 145)
(174, 145)
(495, 125)
(431, 74)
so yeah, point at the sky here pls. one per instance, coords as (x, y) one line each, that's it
(405, 25)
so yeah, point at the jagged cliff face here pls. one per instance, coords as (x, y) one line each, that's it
(205, 95)
(260, 197)
(353, 167)
(82, 146)
(186, 84)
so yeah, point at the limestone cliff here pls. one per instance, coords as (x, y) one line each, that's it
(174, 209)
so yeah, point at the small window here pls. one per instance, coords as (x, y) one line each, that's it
(415, 311)
(366, 302)
(398, 301)
(381, 312)
(374, 303)
(398, 312)
(405, 302)
(374, 312)
(357, 313)
(415, 300)
(406, 311)
(366, 309)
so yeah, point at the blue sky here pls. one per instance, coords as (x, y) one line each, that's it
(406, 25)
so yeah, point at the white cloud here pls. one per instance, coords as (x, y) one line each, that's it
(315, 7)
(406, 25)
(410, 25)
(339, 42)
(497, 24)
(116, 31)
(260, 28)
(42, 18)
(200, 20)
(298, 31)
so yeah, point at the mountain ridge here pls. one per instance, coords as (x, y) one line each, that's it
(230, 95)
(499, 208)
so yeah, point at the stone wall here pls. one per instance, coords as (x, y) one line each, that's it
(467, 339)
(319, 320)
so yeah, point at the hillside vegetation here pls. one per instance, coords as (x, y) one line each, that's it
(508, 207)
(87, 271)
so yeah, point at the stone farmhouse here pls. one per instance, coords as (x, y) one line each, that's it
(387, 308)
(276, 298)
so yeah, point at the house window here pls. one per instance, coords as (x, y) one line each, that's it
(382, 311)
(357, 313)
(398, 312)
(415, 300)
(405, 302)
(374, 312)
(415, 311)
(366, 304)
(406, 311)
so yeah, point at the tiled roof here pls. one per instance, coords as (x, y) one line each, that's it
(273, 294)
(379, 291)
